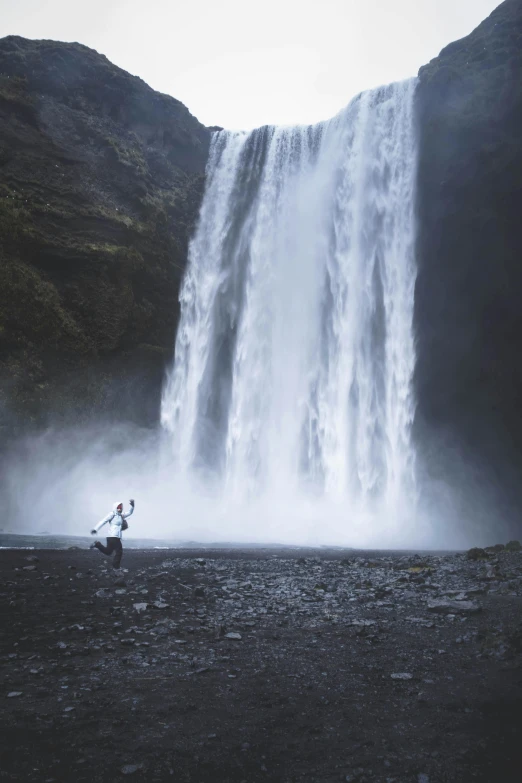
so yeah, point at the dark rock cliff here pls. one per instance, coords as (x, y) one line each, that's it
(100, 184)
(468, 308)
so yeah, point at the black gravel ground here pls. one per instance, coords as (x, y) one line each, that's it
(261, 665)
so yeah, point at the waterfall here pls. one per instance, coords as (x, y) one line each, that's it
(292, 380)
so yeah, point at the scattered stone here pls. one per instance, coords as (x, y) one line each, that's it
(401, 676)
(233, 635)
(199, 592)
(493, 571)
(140, 607)
(14, 694)
(104, 592)
(129, 769)
(355, 775)
(160, 605)
(120, 582)
(29, 568)
(456, 607)
(32, 559)
(362, 623)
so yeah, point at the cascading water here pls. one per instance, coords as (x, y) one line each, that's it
(292, 382)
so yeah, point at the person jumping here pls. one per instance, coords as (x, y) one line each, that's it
(117, 522)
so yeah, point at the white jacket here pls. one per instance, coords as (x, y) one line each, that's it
(115, 520)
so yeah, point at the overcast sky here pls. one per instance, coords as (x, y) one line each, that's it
(239, 63)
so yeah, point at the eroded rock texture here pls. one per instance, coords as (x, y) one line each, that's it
(100, 184)
(468, 295)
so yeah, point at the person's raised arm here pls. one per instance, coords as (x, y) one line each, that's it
(103, 522)
(130, 512)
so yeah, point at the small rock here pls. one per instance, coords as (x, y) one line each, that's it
(128, 642)
(493, 571)
(362, 623)
(401, 676)
(199, 592)
(14, 694)
(477, 554)
(129, 769)
(233, 635)
(32, 559)
(140, 607)
(423, 778)
(453, 607)
(69, 709)
(104, 592)
(355, 775)
(160, 605)
(29, 568)
(120, 582)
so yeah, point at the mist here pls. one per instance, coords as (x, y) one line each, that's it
(63, 481)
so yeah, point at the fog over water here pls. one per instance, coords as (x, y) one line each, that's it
(287, 415)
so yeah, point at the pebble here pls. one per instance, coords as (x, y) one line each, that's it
(401, 676)
(449, 607)
(233, 635)
(14, 694)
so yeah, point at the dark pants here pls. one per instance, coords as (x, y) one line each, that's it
(113, 545)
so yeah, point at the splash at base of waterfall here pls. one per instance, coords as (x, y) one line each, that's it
(290, 402)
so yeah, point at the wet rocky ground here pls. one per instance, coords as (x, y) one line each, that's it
(261, 665)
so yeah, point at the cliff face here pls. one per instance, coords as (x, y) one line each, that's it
(100, 184)
(468, 307)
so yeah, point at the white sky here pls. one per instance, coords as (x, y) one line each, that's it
(239, 63)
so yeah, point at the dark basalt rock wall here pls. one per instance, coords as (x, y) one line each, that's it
(100, 184)
(468, 308)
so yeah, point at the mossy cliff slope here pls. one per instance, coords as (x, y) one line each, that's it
(469, 288)
(100, 184)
